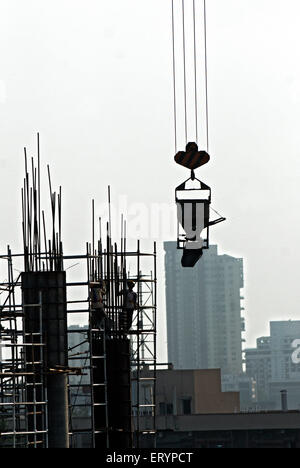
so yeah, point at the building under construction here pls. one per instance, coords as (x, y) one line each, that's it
(60, 386)
(43, 374)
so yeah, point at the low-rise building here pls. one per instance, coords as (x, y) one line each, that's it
(272, 366)
(239, 430)
(245, 385)
(184, 392)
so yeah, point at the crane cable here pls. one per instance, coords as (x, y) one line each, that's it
(195, 77)
(185, 73)
(195, 70)
(174, 78)
(206, 74)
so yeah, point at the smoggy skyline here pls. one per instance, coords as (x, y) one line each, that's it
(95, 79)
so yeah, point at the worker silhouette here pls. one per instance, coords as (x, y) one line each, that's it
(97, 295)
(129, 306)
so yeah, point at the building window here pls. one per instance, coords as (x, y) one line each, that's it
(169, 408)
(187, 406)
(165, 408)
(162, 409)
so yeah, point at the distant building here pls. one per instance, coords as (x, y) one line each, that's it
(183, 392)
(285, 373)
(79, 353)
(204, 311)
(282, 336)
(293, 394)
(259, 367)
(246, 386)
(272, 367)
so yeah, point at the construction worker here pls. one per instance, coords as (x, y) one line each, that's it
(130, 304)
(97, 294)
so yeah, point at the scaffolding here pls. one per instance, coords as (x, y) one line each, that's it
(23, 395)
(101, 355)
(109, 265)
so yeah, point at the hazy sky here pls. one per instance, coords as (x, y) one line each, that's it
(94, 77)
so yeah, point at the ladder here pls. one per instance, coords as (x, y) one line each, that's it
(99, 386)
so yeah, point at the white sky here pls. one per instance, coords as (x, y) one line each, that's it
(94, 77)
